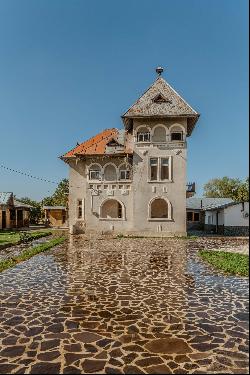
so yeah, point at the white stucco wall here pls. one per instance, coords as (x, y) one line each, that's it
(234, 215)
(229, 216)
(142, 191)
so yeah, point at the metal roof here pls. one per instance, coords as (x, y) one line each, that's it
(225, 205)
(206, 203)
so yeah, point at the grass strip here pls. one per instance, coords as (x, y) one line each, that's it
(30, 252)
(15, 237)
(230, 263)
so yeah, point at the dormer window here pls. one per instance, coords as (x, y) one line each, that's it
(161, 99)
(177, 136)
(143, 136)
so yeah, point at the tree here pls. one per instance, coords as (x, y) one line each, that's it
(60, 196)
(35, 211)
(226, 187)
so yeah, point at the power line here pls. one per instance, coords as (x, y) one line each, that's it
(28, 175)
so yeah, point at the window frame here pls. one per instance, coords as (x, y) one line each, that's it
(126, 171)
(177, 132)
(160, 219)
(193, 213)
(121, 211)
(143, 134)
(159, 165)
(92, 170)
(80, 209)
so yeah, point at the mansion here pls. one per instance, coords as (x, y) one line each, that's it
(133, 181)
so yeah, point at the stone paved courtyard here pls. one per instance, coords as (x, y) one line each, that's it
(123, 306)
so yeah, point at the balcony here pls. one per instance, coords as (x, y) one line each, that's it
(170, 145)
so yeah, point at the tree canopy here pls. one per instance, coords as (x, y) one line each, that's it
(60, 196)
(227, 187)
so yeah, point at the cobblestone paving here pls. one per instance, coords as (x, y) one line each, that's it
(127, 306)
(242, 248)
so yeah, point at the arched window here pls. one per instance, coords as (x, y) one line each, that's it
(112, 209)
(176, 133)
(110, 173)
(159, 134)
(143, 134)
(95, 172)
(160, 209)
(124, 172)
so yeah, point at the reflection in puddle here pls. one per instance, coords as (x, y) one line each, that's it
(122, 306)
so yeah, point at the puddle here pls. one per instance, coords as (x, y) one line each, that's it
(123, 306)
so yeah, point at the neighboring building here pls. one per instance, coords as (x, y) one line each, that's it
(196, 210)
(55, 216)
(230, 219)
(134, 180)
(218, 215)
(13, 213)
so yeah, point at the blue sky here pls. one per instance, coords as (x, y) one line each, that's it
(69, 69)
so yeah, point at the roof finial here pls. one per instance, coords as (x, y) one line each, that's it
(159, 70)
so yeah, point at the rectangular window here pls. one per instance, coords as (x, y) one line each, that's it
(105, 187)
(79, 209)
(196, 216)
(154, 169)
(165, 169)
(176, 136)
(113, 187)
(94, 175)
(189, 216)
(143, 137)
(124, 174)
(159, 169)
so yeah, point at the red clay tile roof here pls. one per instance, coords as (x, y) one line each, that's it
(95, 145)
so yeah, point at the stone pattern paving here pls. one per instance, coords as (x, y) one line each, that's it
(127, 306)
(233, 245)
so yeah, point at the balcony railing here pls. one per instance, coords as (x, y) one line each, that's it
(164, 145)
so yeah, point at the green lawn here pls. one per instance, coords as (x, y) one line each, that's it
(230, 263)
(30, 252)
(12, 237)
